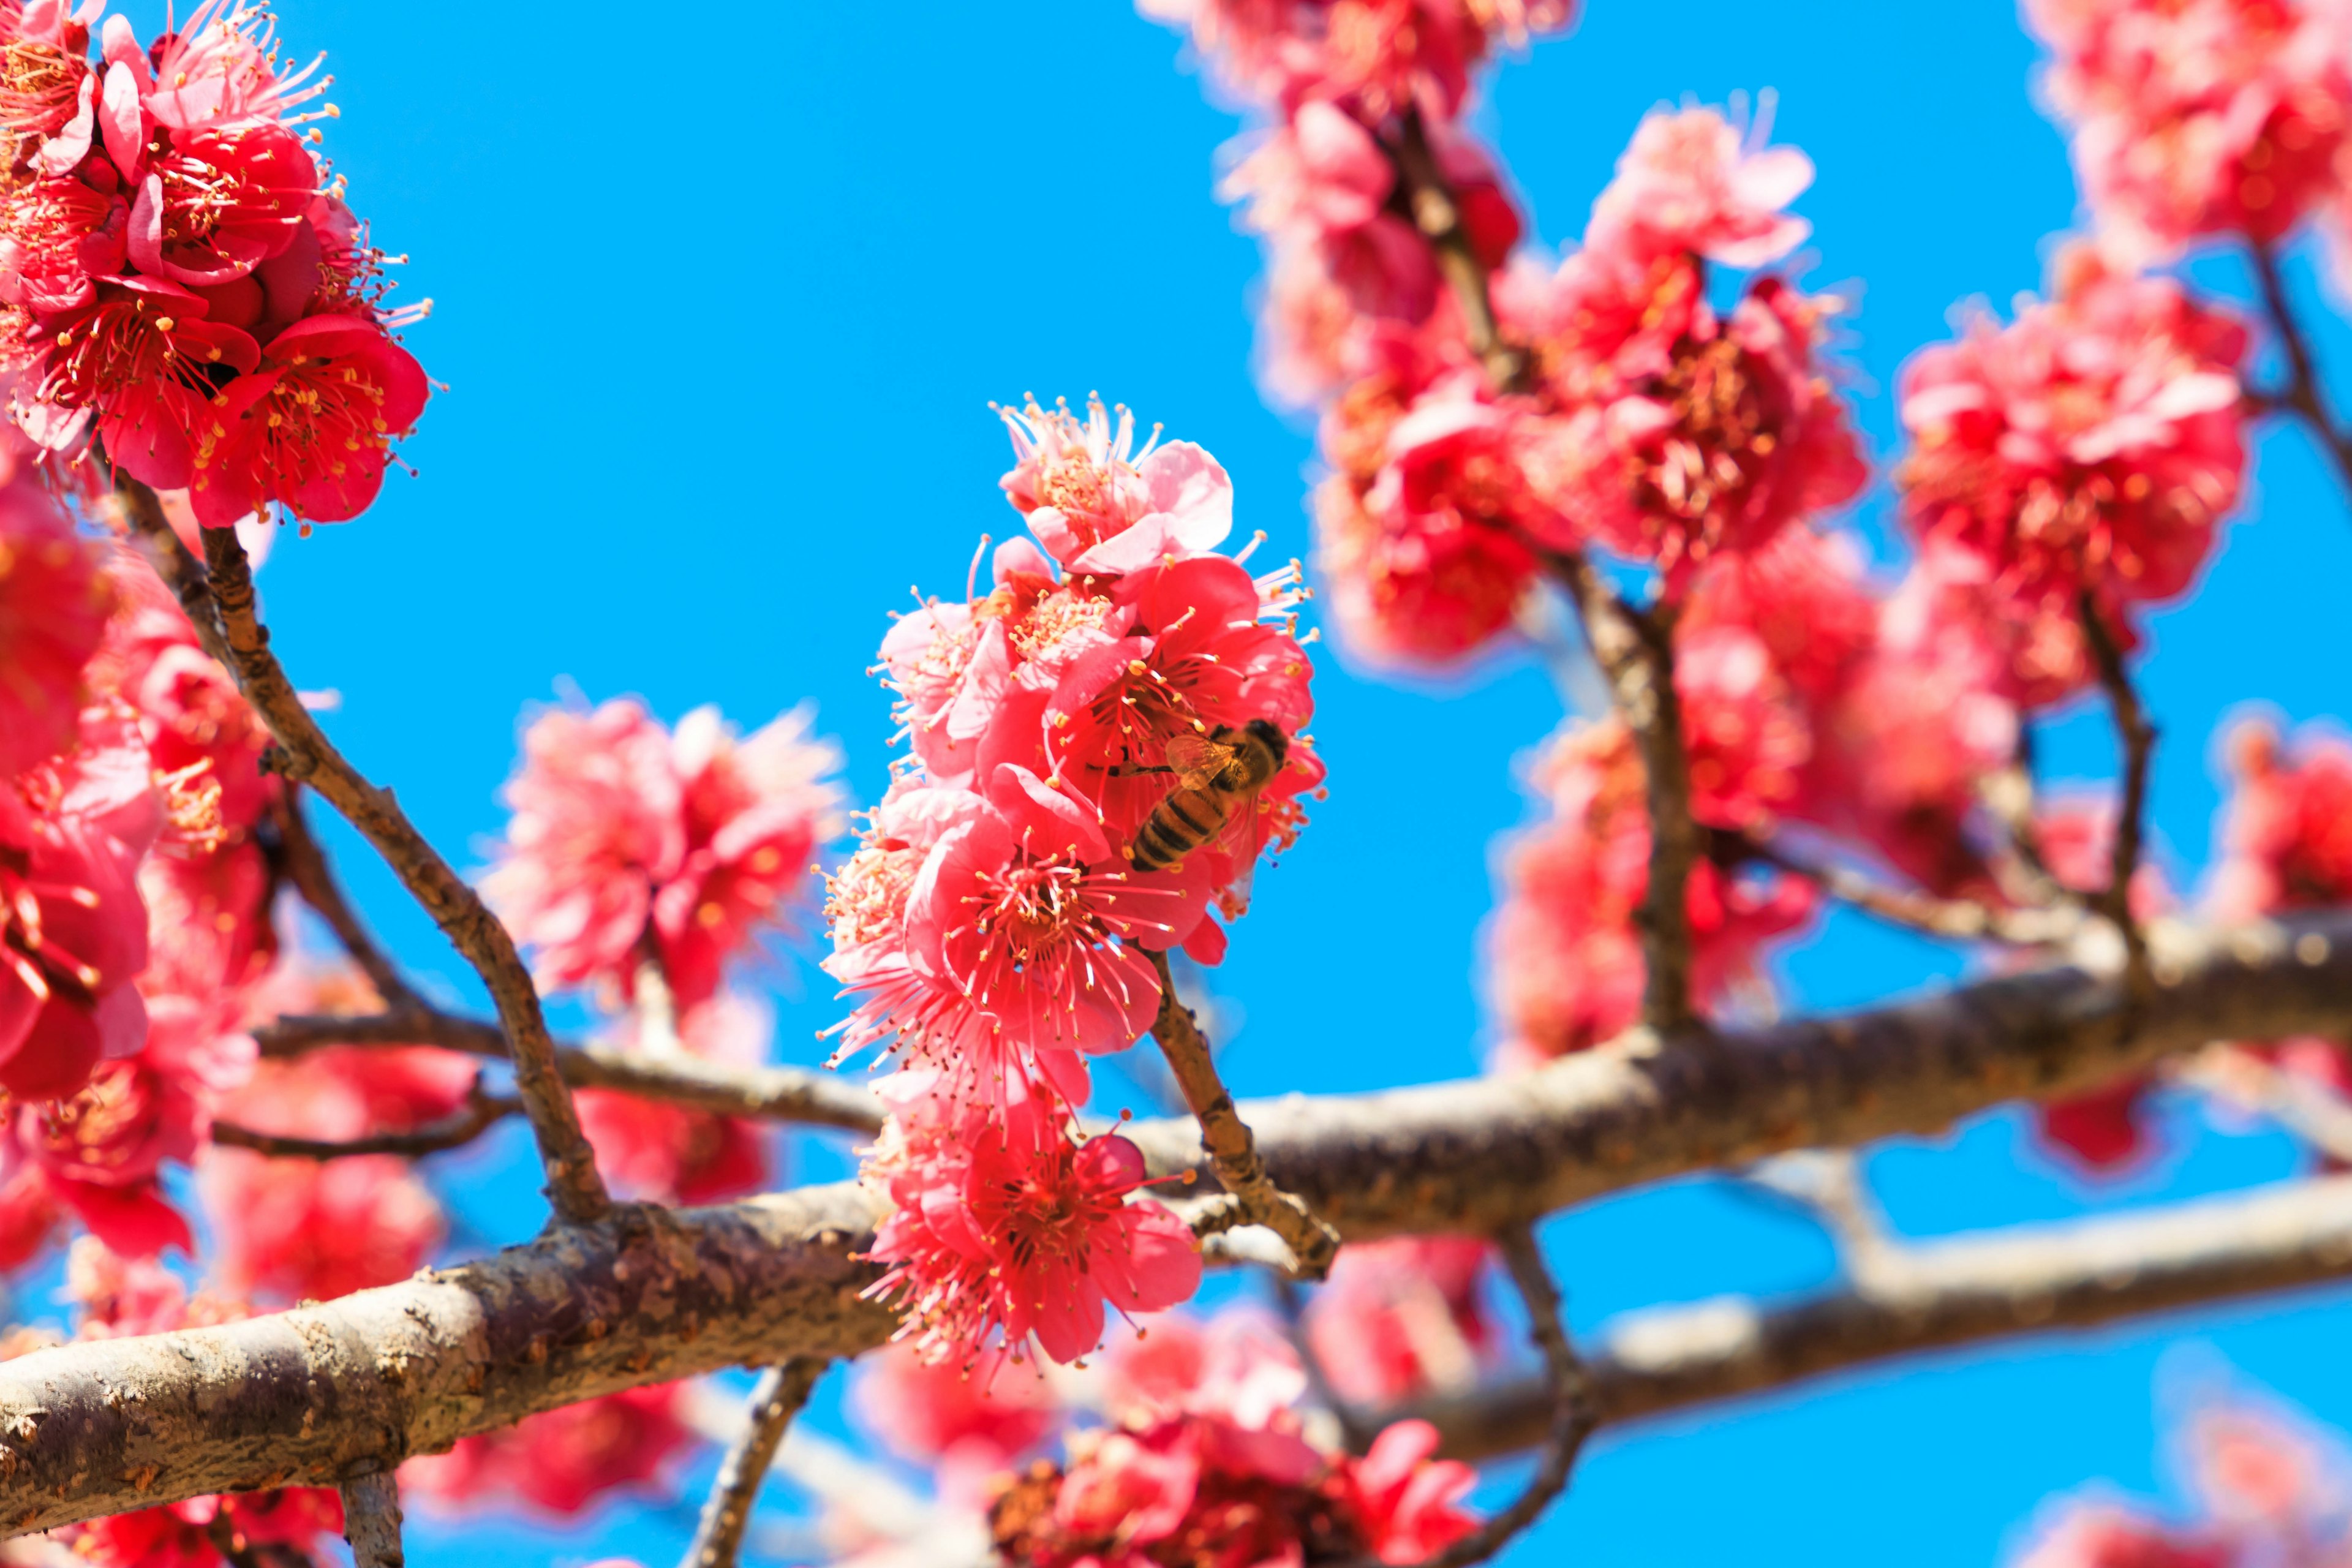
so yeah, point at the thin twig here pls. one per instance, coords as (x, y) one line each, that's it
(480, 1112)
(1429, 200)
(778, 1397)
(2136, 735)
(2010, 794)
(371, 1521)
(307, 868)
(762, 1093)
(1967, 920)
(1292, 1302)
(1231, 1147)
(1574, 1413)
(1635, 650)
(2302, 395)
(304, 755)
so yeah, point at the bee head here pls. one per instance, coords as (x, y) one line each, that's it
(1269, 735)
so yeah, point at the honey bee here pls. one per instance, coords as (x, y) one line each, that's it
(1217, 777)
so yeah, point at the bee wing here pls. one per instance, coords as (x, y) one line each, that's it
(1196, 759)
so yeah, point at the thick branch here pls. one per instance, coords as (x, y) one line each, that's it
(2301, 397)
(766, 1093)
(2076, 1276)
(321, 1394)
(573, 1184)
(312, 1395)
(480, 1112)
(781, 1393)
(1635, 650)
(1232, 1149)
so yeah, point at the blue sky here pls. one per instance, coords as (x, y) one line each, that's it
(719, 318)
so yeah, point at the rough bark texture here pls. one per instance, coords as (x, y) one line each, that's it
(313, 1395)
(1483, 1153)
(324, 1392)
(2076, 1276)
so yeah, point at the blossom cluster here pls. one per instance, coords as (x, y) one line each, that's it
(176, 277)
(1206, 1454)
(2211, 116)
(1073, 808)
(1477, 427)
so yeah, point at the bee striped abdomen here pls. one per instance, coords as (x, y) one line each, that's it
(1187, 819)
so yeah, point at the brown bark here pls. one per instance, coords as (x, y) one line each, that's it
(312, 1395)
(324, 1392)
(2077, 1276)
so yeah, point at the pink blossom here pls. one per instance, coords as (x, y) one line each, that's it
(598, 824)
(1565, 963)
(2095, 445)
(1027, 910)
(1381, 54)
(53, 610)
(1408, 1500)
(73, 932)
(1677, 434)
(629, 843)
(1402, 1318)
(947, 1412)
(1097, 505)
(219, 67)
(560, 1460)
(2288, 833)
(2199, 117)
(1691, 182)
(1006, 1229)
(660, 1152)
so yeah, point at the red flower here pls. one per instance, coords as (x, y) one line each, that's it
(561, 1460)
(73, 932)
(310, 428)
(1005, 1228)
(217, 203)
(142, 355)
(53, 610)
(2094, 445)
(624, 835)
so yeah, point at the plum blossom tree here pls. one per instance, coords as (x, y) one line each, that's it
(222, 1121)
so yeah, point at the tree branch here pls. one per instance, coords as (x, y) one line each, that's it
(1429, 200)
(1232, 1149)
(1567, 1388)
(2302, 395)
(781, 1390)
(306, 866)
(763, 1093)
(2135, 736)
(2076, 1276)
(1635, 650)
(573, 1184)
(310, 1396)
(1964, 919)
(371, 1521)
(323, 1392)
(481, 1111)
